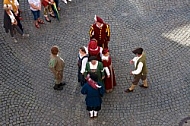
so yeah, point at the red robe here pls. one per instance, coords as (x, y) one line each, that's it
(109, 82)
(102, 35)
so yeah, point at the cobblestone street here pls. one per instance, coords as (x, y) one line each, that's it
(161, 27)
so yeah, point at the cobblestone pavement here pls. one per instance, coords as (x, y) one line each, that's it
(161, 27)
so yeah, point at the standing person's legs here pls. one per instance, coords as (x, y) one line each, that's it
(18, 29)
(82, 80)
(144, 80)
(12, 34)
(18, 22)
(90, 109)
(95, 111)
(46, 11)
(40, 21)
(61, 83)
(134, 83)
(35, 14)
(58, 79)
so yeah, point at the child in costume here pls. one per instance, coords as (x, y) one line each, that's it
(56, 65)
(93, 90)
(109, 80)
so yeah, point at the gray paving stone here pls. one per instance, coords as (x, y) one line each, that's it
(27, 97)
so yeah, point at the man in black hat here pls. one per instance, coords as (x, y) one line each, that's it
(140, 71)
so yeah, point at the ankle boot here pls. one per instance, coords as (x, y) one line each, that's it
(57, 87)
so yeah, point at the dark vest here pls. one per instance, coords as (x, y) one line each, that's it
(143, 60)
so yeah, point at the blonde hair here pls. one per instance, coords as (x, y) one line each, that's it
(7, 6)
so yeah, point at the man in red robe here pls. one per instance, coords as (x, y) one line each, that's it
(100, 31)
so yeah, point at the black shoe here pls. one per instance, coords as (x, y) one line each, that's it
(143, 86)
(62, 84)
(127, 91)
(57, 87)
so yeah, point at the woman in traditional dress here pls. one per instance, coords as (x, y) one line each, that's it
(96, 67)
(109, 80)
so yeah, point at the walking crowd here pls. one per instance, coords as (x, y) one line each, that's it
(95, 70)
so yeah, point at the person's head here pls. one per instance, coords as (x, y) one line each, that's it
(98, 20)
(7, 7)
(105, 52)
(94, 77)
(93, 48)
(93, 60)
(138, 51)
(54, 50)
(82, 50)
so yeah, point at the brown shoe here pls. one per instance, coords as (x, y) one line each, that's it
(128, 90)
(143, 86)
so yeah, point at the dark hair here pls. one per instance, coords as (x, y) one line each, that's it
(83, 49)
(92, 58)
(94, 77)
(138, 51)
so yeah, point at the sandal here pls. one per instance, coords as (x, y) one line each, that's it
(40, 21)
(47, 19)
(37, 25)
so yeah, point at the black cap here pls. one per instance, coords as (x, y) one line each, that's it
(92, 58)
(138, 51)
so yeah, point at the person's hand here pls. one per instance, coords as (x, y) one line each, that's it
(51, 3)
(15, 22)
(131, 73)
(131, 62)
(108, 76)
(103, 77)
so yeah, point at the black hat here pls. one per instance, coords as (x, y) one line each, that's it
(92, 58)
(138, 51)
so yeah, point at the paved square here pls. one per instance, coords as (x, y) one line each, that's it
(161, 27)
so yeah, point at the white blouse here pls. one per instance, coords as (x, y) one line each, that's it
(12, 17)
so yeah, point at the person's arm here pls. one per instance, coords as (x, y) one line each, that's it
(139, 69)
(102, 70)
(108, 32)
(107, 71)
(83, 90)
(91, 32)
(86, 69)
(52, 64)
(83, 66)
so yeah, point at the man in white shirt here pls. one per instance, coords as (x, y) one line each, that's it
(82, 60)
(140, 71)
